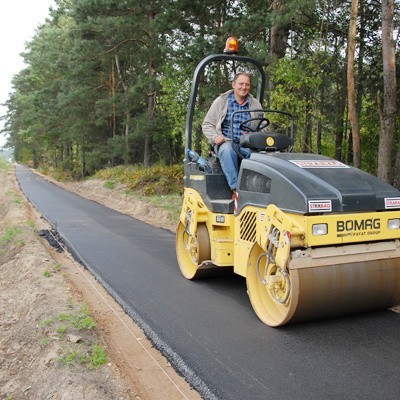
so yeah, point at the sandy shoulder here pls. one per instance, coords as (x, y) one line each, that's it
(33, 292)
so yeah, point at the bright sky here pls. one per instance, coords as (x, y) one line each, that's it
(19, 20)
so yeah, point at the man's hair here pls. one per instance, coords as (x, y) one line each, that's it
(240, 74)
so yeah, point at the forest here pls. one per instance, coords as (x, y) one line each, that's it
(107, 82)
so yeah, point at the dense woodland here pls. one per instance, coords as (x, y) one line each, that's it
(107, 82)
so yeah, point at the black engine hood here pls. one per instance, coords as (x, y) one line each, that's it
(313, 183)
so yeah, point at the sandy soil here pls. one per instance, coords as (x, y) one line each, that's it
(43, 354)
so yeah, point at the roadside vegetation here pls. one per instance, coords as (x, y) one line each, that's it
(159, 185)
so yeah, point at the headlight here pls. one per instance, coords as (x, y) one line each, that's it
(319, 229)
(394, 223)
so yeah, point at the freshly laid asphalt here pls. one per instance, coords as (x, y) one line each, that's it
(207, 328)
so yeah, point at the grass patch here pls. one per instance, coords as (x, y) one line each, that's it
(31, 224)
(80, 320)
(47, 274)
(10, 236)
(109, 185)
(56, 268)
(4, 164)
(97, 356)
(172, 203)
(155, 180)
(45, 322)
(94, 357)
(85, 351)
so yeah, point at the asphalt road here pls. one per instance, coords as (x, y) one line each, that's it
(208, 328)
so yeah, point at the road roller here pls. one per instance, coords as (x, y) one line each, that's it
(313, 237)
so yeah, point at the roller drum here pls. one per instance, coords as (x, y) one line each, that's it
(325, 283)
(334, 290)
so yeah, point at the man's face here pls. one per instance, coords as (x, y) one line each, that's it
(241, 87)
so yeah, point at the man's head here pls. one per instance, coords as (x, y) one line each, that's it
(241, 86)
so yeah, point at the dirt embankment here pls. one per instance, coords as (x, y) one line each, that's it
(49, 346)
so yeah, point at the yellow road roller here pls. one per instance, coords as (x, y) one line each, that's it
(314, 237)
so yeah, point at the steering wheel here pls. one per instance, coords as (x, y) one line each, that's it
(262, 124)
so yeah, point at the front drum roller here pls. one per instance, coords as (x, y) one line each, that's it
(192, 251)
(273, 292)
(321, 287)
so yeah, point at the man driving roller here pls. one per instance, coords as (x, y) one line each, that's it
(217, 124)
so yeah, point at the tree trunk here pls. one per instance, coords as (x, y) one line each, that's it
(307, 142)
(388, 111)
(353, 115)
(340, 115)
(151, 106)
(360, 63)
(127, 113)
(279, 33)
(278, 37)
(113, 119)
(151, 102)
(396, 175)
(319, 120)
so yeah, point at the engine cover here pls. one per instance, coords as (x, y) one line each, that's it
(310, 183)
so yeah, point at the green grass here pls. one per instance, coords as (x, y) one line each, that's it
(45, 322)
(56, 268)
(172, 203)
(31, 224)
(109, 184)
(85, 352)
(97, 356)
(47, 274)
(10, 236)
(94, 357)
(80, 320)
(4, 164)
(61, 331)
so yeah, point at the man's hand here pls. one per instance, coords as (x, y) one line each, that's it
(219, 140)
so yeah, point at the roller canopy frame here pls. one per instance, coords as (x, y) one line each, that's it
(196, 80)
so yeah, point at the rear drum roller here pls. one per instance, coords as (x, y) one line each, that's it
(192, 250)
(273, 292)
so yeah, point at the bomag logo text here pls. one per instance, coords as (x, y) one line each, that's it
(358, 227)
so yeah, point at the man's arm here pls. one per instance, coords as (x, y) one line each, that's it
(210, 122)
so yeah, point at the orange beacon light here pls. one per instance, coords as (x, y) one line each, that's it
(231, 46)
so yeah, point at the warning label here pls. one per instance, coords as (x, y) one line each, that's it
(319, 164)
(319, 205)
(393, 202)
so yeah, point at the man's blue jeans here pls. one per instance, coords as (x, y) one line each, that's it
(229, 161)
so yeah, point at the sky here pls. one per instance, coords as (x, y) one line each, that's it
(19, 20)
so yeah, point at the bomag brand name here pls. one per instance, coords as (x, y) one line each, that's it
(355, 226)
